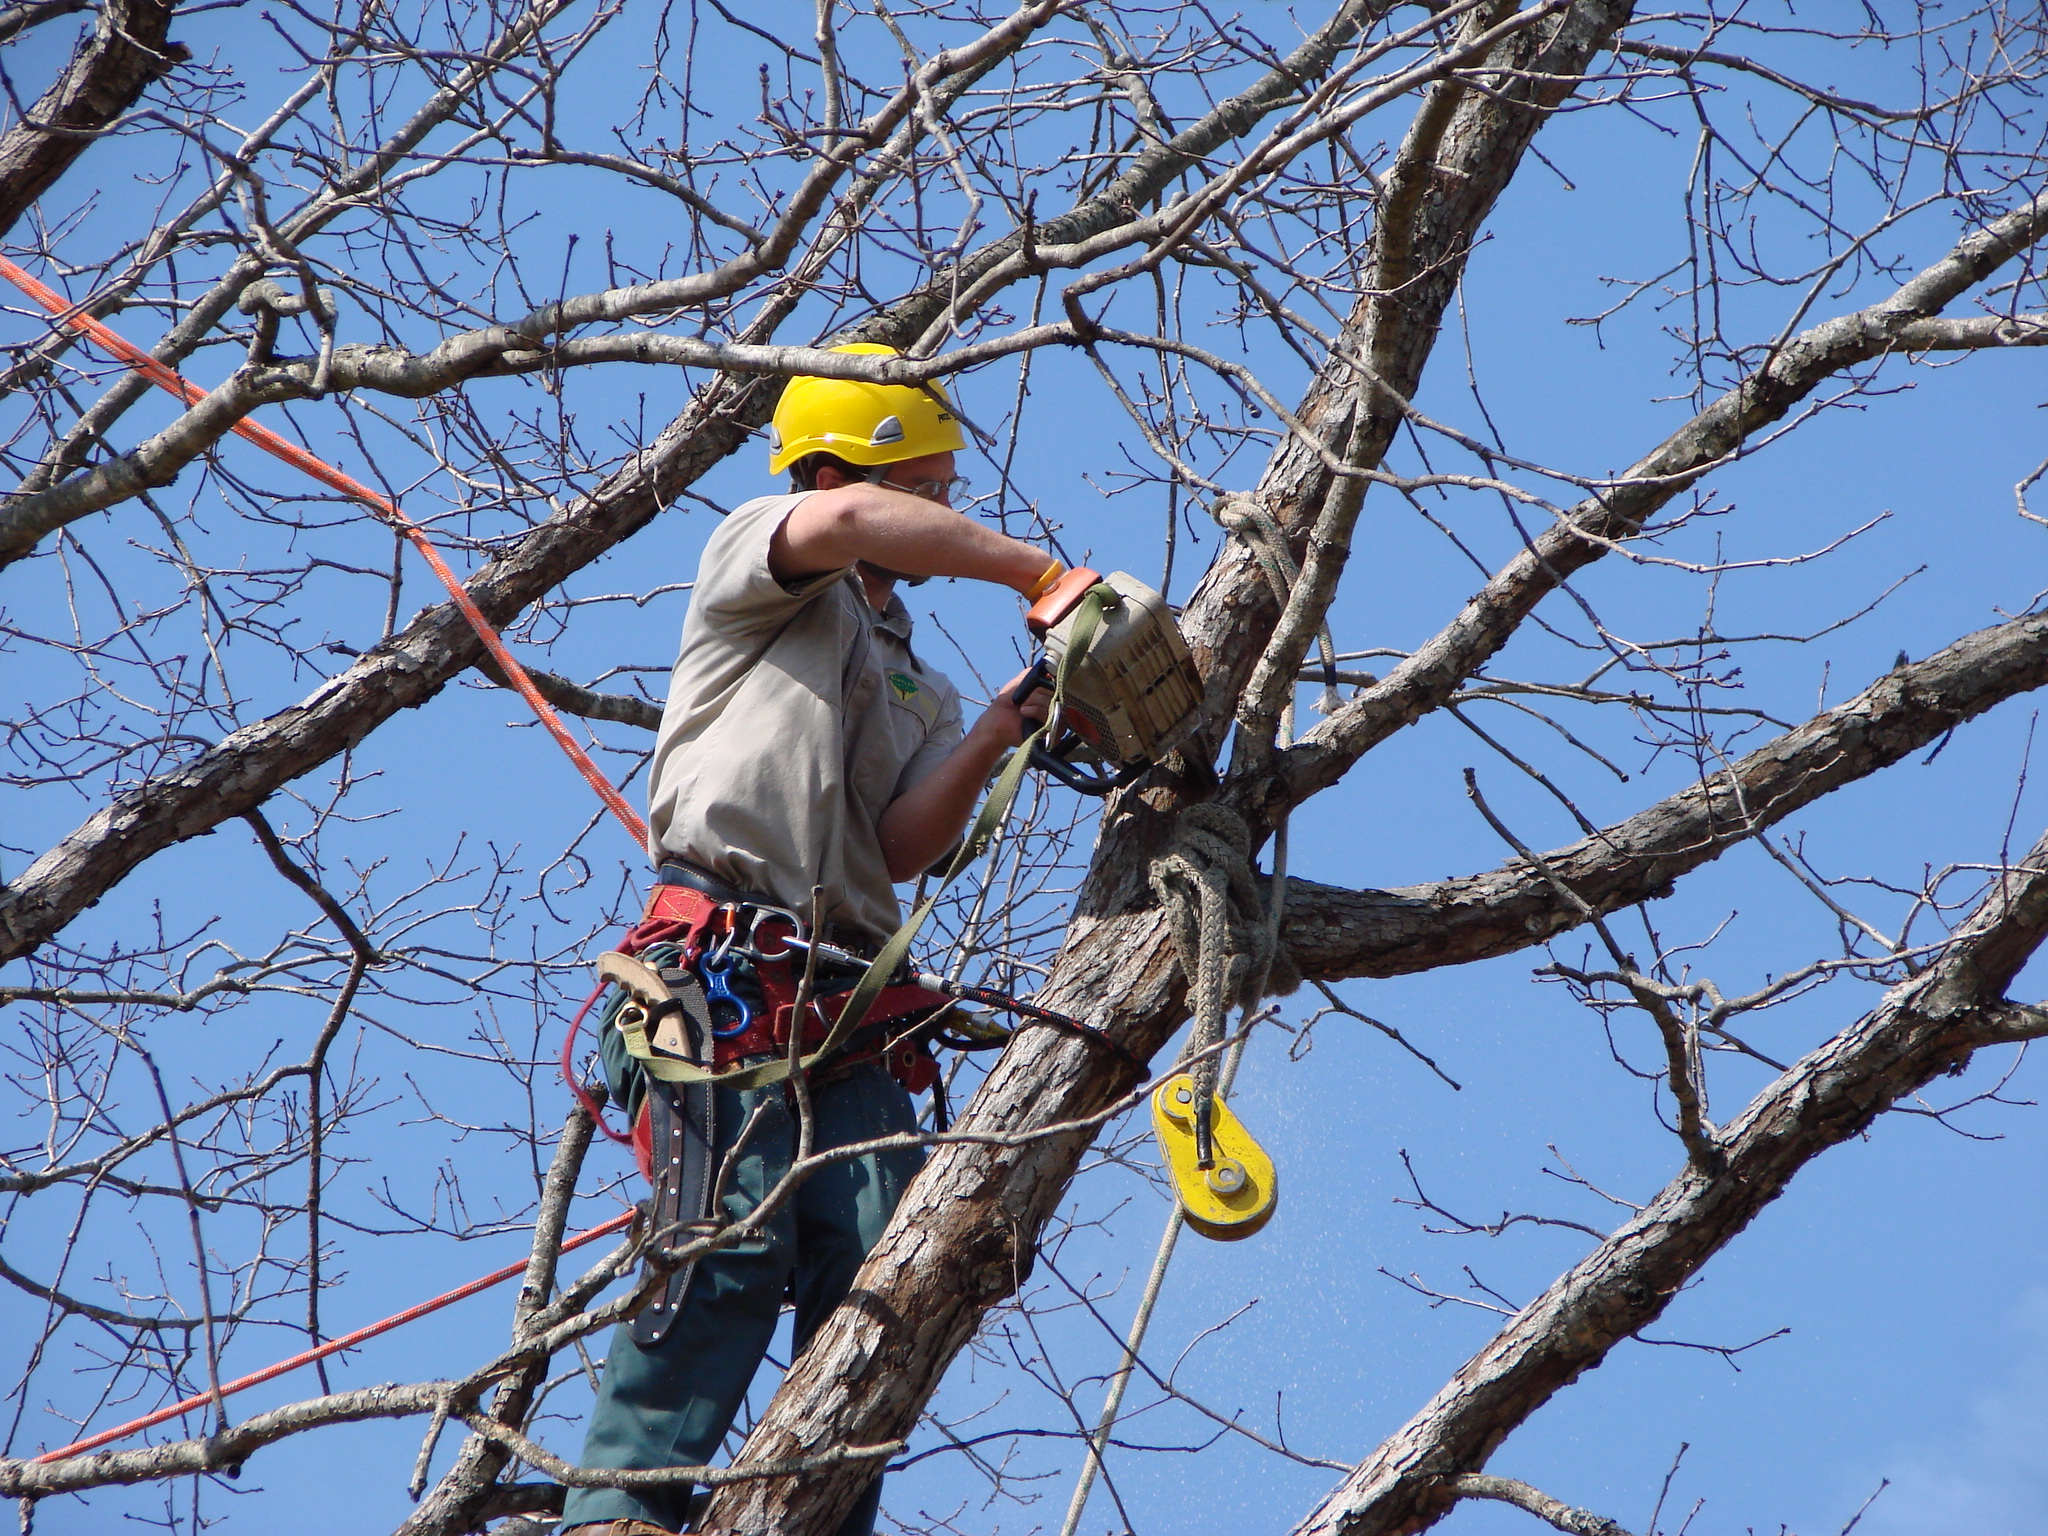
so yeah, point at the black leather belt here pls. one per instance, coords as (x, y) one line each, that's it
(689, 876)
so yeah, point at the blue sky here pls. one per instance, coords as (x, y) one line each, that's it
(1904, 1265)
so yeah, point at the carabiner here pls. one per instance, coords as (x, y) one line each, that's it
(756, 912)
(720, 998)
(719, 952)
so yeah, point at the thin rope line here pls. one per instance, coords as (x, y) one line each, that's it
(386, 510)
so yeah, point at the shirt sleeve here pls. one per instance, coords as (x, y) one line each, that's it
(736, 594)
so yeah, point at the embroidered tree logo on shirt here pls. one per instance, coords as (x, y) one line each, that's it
(904, 684)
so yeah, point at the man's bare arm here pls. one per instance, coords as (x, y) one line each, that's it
(923, 821)
(830, 530)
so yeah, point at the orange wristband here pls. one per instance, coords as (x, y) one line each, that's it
(1046, 578)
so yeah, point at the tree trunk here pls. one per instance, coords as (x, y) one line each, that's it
(963, 1238)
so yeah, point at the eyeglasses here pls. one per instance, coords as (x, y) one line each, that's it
(946, 491)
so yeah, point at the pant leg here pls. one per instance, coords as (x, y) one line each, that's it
(670, 1405)
(842, 1209)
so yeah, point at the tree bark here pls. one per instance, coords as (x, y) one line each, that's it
(129, 49)
(1333, 933)
(963, 1238)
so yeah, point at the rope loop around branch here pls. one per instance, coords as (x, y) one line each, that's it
(1244, 517)
(1222, 934)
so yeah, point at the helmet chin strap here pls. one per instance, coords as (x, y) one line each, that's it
(879, 475)
(899, 578)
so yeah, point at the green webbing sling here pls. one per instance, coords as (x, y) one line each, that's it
(995, 810)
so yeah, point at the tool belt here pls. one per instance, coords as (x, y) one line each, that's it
(732, 975)
(738, 948)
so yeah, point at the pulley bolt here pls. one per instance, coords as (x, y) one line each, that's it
(1227, 1177)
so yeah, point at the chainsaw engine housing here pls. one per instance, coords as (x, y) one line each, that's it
(1133, 695)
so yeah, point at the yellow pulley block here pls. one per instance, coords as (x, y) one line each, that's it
(1236, 1195)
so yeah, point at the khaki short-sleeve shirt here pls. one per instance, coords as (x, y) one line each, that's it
(795, 715)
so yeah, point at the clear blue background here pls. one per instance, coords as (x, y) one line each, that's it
(1906, 1267)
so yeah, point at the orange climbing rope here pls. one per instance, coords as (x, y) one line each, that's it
(386, 510)
(167, 378)
(332, 1346)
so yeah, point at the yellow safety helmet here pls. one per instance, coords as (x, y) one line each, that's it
(862, 423)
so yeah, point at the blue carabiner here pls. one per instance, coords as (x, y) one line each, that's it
(717, 991)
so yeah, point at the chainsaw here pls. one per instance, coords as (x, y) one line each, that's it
(1132, 694)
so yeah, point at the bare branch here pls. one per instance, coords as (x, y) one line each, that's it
(1574, 1522)
(1922, 1028)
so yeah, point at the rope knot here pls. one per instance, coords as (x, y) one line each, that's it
(1222, 934)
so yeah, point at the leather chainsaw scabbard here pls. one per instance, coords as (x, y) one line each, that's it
(682, 1119)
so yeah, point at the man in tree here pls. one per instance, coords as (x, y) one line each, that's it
(805, 744)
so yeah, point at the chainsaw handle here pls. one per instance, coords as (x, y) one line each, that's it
(1040, 676)
(1082, 780)
(1061, 599)
(1048, 759)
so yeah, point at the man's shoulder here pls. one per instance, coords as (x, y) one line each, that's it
(747, 519)
(735, 584)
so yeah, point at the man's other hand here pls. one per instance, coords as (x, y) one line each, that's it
(1009, 722)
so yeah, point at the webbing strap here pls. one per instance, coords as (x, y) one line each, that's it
(995, 810)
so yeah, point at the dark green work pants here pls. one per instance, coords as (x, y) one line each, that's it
(671, 1405)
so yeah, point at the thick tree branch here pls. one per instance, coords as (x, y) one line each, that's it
(1509, 1490)
(220, 1452)
(1334, 933)
(128, 50)
(1459, 155)
(1977, 333)
(575, 699)
(17, 19)
(1428, 677)
(405, 671)
(1922, 1028)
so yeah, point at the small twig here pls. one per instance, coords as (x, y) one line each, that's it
(1727, 1352)
(1463, 1227)
(1575, 1522)
(1683, 1071)
(1338, 1005)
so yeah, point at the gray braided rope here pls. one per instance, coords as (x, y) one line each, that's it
(1222, 934)
(1243, 517)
